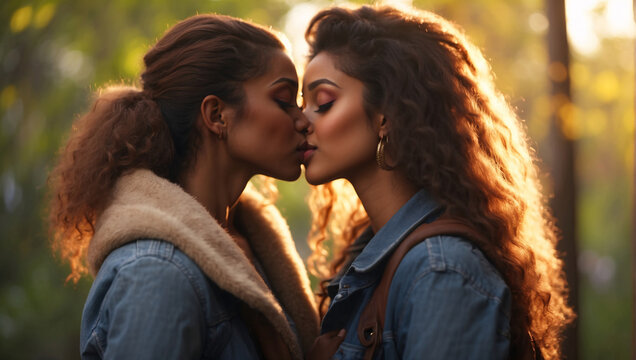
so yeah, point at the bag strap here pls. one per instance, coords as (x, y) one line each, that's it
(372, 318)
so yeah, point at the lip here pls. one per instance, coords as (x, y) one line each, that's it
(305, 151)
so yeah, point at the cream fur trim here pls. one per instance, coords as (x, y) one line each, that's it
(147, 206)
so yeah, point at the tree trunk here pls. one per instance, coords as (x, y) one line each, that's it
(562, 162)
(634, 220)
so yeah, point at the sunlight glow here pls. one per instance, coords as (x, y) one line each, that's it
(296, 22)
(398, 3)
(590, 21)
(298, 17)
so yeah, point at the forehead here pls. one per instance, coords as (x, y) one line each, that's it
(321, 65)
(280, 66)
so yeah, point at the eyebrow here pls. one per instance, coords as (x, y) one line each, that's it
(315, 83)
(285, 80)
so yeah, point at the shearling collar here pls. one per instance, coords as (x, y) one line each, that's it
(144, 205)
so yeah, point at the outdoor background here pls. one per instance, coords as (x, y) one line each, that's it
(54, 53)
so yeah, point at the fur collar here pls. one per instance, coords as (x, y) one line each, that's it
(144, 205)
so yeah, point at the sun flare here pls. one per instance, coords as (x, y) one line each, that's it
(589, 21)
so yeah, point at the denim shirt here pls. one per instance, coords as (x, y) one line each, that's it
(446, 301)
(151, 301)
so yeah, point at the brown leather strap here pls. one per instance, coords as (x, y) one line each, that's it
(372, 318)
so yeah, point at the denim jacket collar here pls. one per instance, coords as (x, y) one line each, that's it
(413, 213)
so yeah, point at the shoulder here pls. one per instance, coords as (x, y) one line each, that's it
(447, 293)
(155, 269)
(150, 253)
(150, 298)
(456, 260)
(147, 275)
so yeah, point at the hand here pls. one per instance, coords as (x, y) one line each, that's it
(326, 345)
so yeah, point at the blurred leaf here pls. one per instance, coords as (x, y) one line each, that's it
(21, 18)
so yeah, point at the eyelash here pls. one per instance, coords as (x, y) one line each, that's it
(324, 107)
(284, 105)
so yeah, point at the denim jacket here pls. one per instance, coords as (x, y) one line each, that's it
(446, 301)
(170, 281)
(150, 284)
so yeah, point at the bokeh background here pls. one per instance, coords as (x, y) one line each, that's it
(55, 53)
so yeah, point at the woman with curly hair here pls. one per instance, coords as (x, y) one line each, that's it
(146, 197)
(404, 109)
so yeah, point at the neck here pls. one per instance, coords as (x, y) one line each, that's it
(382, 194)
(215, 181)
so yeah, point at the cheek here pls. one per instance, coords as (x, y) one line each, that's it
(344, 132)
(270, 124)
(279, 128)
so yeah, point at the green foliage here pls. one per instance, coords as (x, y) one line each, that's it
(54, 53)
(603, 97)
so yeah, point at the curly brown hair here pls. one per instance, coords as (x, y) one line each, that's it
(453, 134)
(153, 127)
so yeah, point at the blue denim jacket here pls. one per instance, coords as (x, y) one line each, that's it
(150, 284)
(446, 301)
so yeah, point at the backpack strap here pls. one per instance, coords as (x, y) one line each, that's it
(372, 318)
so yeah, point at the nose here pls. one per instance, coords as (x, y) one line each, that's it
(301, 123)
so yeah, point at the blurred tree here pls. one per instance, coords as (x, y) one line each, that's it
(634, 224)
(562, 159)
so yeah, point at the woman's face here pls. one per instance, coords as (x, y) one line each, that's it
(268, 138)
(341, 135)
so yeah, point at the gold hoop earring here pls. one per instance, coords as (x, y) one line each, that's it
(379, 154)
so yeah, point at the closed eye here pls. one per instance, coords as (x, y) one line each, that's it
(324, 107)
(284, 104)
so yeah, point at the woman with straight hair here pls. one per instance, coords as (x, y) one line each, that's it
(403, 107)
(148, 195)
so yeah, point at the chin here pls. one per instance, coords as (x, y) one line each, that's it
(314, 183)
(288, 175)
(315, 179)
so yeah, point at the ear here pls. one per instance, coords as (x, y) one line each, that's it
(211, 115)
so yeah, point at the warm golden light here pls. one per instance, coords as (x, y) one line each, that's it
(589, 21)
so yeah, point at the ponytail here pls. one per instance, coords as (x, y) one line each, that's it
(124, 130)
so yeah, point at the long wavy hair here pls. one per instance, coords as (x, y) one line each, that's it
(151, 127)
(451, 133)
